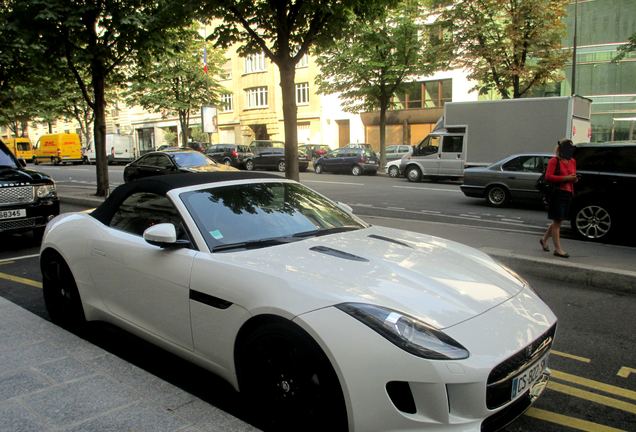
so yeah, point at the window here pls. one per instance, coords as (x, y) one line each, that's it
(302, 94)
(256, 97)
(452, 144)
(226, 71)
(255, 63)
(428, 146)
(427, 94)
(142, 210)
(227, 102)
(303, 62)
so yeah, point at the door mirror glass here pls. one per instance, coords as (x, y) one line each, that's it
(345, 207)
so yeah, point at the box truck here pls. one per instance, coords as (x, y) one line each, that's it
(119, 149)
(58, 148)
(480, 133)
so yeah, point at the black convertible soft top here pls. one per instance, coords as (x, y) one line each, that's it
(162, 184)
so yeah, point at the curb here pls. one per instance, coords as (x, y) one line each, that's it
(81, 201)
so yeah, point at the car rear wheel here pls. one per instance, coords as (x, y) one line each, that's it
(281, 166)
(249, 165)
(497, 196)
(413, 174)
(287, 378)
(61, 297)
(394, 171)
(227, 161)
(318, 169)
(356, 170)
(593, 222)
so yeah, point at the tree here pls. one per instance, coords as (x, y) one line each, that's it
(285, 30)
(100, 37)
(373, 62)
(630, 46)
(508, 45)
(175, 80)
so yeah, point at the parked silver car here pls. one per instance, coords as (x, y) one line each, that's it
(510, 179)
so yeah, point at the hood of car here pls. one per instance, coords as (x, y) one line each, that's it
(18, 176)
(212, 168)
(437, 280)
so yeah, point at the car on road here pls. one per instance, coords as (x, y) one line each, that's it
(28, 199)
(510, 179)
(392, 169)
(171, 162)
(314, 151)
(321, 321)
(356, 161)
(273, 158)
(230, 154)
(395, 152)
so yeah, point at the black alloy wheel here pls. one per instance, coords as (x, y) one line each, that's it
(61, 297)
(497, 196)
(289, 381)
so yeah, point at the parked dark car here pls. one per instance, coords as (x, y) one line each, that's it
(230, 154)
(28, 199)
(258, 145)
(198, 146)
(269, 158)
(357, 161)
(601, 208)
(314, 151)
(171, 162)
(510, 179)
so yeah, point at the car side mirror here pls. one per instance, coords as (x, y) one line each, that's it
(164, 235)
(22, 162)
(346, 207)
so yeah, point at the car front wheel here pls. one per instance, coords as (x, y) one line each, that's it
(281, 166)
(61, 297)
(497, 196)
(290, 382)
(593, 222)
(249, 165)
(413, 174)
(227, 162)
(318, 169)
(394, 171)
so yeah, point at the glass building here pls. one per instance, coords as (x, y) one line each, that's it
(602, 27)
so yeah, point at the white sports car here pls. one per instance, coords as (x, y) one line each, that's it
(322, 321)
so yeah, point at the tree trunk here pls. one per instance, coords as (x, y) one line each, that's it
(99, 129)
(383, 107)
(183, 122)
(287, 76)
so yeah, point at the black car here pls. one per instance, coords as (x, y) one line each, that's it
(314, 151)
(230, 154)
(28, 199)
(171, 162)
(601, 208)
(269, 158)
(357, 161)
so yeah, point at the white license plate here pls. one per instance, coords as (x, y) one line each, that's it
(12, 214)
(524, 381)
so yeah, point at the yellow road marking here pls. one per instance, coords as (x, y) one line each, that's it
(607, 388)
(21, 280)
(592, 397)
(625, 371)
(571, 422)
(571, 356)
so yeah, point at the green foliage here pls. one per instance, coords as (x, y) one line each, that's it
(174, 81)
(508, 45)
(629, 47)
(169, 137)
(198, 135)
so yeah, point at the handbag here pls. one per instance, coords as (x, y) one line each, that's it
(546, 188)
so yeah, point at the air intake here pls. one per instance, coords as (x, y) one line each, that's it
(390, 240)
(337, 253)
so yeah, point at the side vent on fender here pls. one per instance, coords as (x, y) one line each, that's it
(337, 253)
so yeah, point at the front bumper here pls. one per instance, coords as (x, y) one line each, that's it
(447, 395)
(38, 214)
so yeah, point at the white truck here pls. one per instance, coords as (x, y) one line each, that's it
(480, 133)
(119, 149)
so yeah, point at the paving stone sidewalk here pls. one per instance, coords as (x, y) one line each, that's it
(52, 380)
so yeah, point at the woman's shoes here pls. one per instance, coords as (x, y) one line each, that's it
(544, 245)
(562, 255)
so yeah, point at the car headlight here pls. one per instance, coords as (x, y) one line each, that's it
(406, 332)
(45, 191)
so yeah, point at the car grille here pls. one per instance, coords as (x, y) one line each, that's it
(502, 418)
(500, 379)
(16, 195)
(16, 224)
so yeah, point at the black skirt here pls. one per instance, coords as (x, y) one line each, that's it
(559, 205)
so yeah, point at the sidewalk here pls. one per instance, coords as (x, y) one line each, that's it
(591, 265)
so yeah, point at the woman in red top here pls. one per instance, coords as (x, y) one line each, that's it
(559, 203)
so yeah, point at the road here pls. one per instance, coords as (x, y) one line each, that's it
(594, 380)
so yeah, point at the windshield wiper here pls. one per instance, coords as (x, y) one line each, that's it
(253, 244)
(326, 231)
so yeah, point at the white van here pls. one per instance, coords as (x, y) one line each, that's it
(119, 149)
(437, 156)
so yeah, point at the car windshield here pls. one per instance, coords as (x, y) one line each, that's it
(6, 158)
(263, 214)
(191, 159)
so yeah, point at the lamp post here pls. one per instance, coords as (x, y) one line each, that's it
(576, 4)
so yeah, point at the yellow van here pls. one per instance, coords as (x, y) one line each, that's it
(20, 147)
(58, 148)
